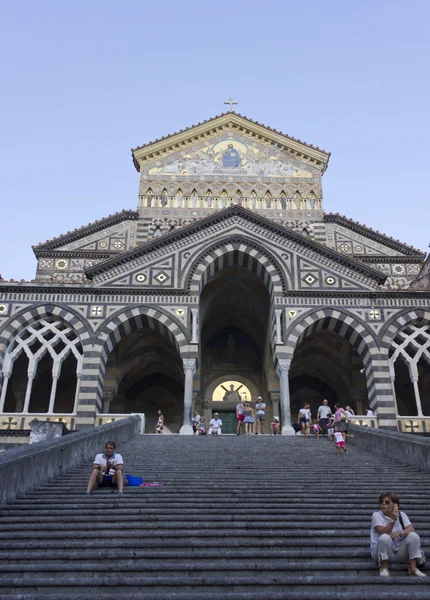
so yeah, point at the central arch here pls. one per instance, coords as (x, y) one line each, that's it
(237, 252)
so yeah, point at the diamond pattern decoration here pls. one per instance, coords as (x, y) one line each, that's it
(162, 277)
(118, 244)
(345, 248)
(309, 279)
(46, 264)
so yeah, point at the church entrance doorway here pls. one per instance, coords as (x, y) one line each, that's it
(235, 336)
(228, 418)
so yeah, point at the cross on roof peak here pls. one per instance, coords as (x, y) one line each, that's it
(231, 102)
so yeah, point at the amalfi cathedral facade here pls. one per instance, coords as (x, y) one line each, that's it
(228, 281)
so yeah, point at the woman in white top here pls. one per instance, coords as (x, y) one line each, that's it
(304, 418)
(393, 537)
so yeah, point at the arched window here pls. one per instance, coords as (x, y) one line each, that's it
(48, 345)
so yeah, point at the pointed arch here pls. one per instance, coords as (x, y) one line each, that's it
(121, 324)
(362, 339)
(238, 251)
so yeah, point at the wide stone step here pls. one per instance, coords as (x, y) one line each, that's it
(353, 592)
(212, 582)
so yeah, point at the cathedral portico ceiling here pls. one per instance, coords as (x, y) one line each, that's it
(230, 128)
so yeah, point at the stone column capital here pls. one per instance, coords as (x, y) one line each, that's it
(283, 365)
(189, 365)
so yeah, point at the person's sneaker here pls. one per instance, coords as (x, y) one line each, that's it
(384, 572)
(417, 573)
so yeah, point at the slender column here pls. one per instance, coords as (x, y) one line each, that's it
(189, 371)
(53, 392)
(194, 325)
(282, 369)
(28, 393)
(275, 403)
(278, 326)
(107, 399)
(78, 383)
(413, 371)
(3, 392)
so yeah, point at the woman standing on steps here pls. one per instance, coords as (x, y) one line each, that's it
(304, 418)
(248, 420)
(393, 537)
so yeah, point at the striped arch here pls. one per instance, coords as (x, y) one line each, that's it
(399, 321)
(21, 319)
(118, 326)
(238, 251)
(355, 331)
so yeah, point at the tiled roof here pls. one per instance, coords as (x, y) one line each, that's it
(374, 234)
(70, 236)
(166, 137)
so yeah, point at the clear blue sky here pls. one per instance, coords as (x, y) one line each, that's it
(83, 82)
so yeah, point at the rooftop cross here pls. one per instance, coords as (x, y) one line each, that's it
(231, 102)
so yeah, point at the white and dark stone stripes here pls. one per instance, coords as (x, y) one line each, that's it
(112, 332)
(398, 322)
(237, 253)
(359, 335)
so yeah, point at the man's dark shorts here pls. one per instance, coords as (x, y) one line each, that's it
(107, 481)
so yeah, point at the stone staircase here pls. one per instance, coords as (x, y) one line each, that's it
(258, 518)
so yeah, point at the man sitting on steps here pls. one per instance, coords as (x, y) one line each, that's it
(107, 470)
(215, 425)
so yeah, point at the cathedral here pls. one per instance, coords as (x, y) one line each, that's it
(228, 281)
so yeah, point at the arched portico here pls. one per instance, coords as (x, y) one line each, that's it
(236, 286)
(361, 338)
(156, 326)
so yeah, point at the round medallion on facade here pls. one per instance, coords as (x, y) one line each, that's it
(359, 248)
(180, 312)
(398, 269)
(292, 313)
(103, 244)
(96, 311)
(61, 264)
(330, 280)
(3, 309)
(140, 277)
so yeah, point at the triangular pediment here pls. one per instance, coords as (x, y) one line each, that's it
(302, 263)
(253, 146)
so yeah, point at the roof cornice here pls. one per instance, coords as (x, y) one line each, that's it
(90, 289)
(77, 234)
(186, 137)
(219, 216)
(372, 234)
